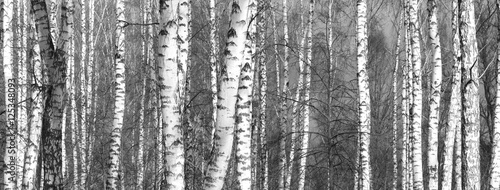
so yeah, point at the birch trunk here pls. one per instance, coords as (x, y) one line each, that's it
(113, 177)
(38, 97)
(284, 102)
(409, 92)
(214, 42)
(416, 108)
(84, 96)
(470, 99)
(455, 113)
(90, 90)
(55, 62)
(170, 94)
(73, 121)
(495, 158)
(22, 121)
(223, 139)
(10, 160)
(54, 8)
(435, 96)
(263, 157)
(364, 169)
(307, 87)
(395, 119)
(405, 116)
(244, 105)
(297, 115)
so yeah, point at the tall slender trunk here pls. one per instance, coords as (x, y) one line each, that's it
(435, 96)
(409, 103)
(395, 118)
(331, 79)
(91, 112)
(297, 115)
(119, 101)
(244, 104)
(22, 121)
(364, 170)
(223, 139)
(171, 76)
(455, 114)
(263, 157)
(214, 53)
(284, 102)
(38, 97)
(73, 120)
(470, 99)
(307, 87)
(84, 95)
(495, 158)
(10, 160)
(416, 108)
(404, 113)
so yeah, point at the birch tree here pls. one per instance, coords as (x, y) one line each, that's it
(84, 94)
(22, 120)
(263, 181)
(284, 96)
(470, 99)
(416, 108)
(395, 118)
(364, 170)
(307, 87)
(495, 158)
(170, 94)
(244, 104)
(451, 171)
(38, 96)
(113, 178)
(435, 96)
(10, 160)
(214, 42)
(230, 73)
(298, 116)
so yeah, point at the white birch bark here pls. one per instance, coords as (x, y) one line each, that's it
(54, 8)
(55, 62)
(84, 95)
(470, 99)
(307, 87)
(214, 53)
(409, 103)
(10, 170)
(230, 73)
(244, 105)
(263, 157)
(73, 120)
(170, 95)
(38, 97)
(364, 170)
(455, 113)
(435, 96)
(495, 157)
(416, 108)
(284, 102)
(395, 118)
(113, 177)
(90, 89)
(297, 115)
(405, 116)
(22, 121)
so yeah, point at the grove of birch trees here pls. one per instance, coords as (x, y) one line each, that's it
(250, 94)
